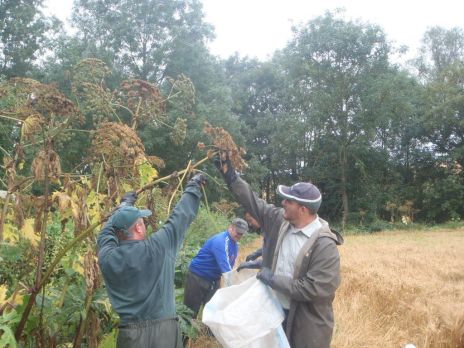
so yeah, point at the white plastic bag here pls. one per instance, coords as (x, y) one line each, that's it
(235, 278)
(246, 315)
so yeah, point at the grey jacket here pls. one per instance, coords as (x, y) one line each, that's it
(317, 271)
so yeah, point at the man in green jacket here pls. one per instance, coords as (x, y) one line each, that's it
(139, 271)
(301, 262)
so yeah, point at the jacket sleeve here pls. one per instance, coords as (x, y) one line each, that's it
(106, 241)
(172, 234)
(319, 282)
(257, 253)
(220, 253)
(266, 214)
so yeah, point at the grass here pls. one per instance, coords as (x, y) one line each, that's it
(398, 287)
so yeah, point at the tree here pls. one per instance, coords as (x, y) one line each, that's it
(442, 64)
(140, 36)
(257, 90)
(333, 64)
(24, 32)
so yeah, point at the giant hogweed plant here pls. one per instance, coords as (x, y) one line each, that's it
(57, 297)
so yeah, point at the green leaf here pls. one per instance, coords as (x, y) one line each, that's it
(147, 173)
(7, 338)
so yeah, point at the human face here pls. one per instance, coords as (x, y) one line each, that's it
(236, 236)
(292, 211)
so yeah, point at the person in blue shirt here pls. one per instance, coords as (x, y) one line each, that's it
(215, 258)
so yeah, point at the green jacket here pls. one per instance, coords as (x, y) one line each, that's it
(139, 275)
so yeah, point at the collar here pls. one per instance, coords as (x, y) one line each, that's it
(309, 228)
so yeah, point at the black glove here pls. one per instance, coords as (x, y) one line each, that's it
(128, 199)
(266, 276)
(254, 255)
(198, 179)
(250, 265)
(226, 168)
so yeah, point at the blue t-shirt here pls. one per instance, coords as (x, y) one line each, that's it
(217, 256)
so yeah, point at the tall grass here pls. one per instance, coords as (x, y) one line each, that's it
(399, 288)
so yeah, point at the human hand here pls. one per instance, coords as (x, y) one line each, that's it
(128, 199)
(250, 265)
(200, 179)
(266, 276)
(254, 255)
(226, 168)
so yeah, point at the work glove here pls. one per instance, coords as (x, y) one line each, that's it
(250, 265)
(128, 199)
(199, 179)
(266, 276)
(226, 169)
(254, 255)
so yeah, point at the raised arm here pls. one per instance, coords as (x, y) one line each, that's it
(266, 214)
(172, 234)
(106, 241)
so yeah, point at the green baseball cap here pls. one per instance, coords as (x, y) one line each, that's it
(125, 217)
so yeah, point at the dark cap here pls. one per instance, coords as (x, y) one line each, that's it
(304, 193)
(126, 216)
(240, 225)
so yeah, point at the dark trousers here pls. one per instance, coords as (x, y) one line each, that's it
(163, 333)
(198, 291)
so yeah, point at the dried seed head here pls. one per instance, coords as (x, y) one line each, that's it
(224, 142)
(144, 100)
(54, 166)
(31, 125)
(91, 271)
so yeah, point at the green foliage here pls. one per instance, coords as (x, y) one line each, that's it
(24, 33)
(381, 143)
(205, 225)
(189, 326)
(7, 320)
(15, 263)
(140, 35)
(109, 340)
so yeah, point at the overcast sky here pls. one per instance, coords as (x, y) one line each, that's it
(259, 27)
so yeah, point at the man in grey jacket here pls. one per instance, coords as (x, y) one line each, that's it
(301, 262)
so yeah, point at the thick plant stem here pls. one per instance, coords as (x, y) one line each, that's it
(38, 278)
(91, 228)
(84, 321)
(178, 186)
(80, 238)
(10, 191)
(77, 240)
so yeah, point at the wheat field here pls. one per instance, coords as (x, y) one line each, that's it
(397, 288)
